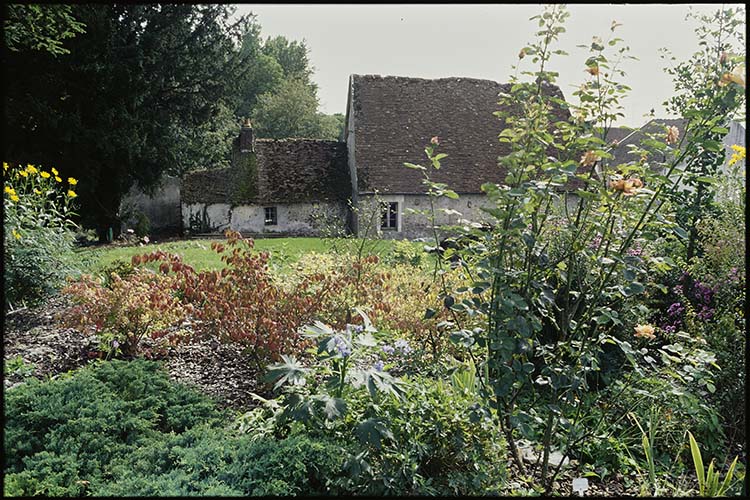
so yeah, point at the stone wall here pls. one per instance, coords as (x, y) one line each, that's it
(293, 219)
(413, 225)
(417, 226)
(162, 208)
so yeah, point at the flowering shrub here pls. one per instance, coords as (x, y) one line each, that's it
(244, 303)
(127, 310)
(38, 231)
(395, 297)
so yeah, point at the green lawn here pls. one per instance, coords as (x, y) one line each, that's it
(198, 253)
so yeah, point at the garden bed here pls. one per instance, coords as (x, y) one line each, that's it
(219, 370)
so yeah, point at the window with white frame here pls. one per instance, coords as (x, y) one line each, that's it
(389, 216)
(271, 218)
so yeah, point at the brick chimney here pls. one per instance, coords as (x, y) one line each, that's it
(247, 138)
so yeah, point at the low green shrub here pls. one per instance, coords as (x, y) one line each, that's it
(121, 267)
(217, 461)
(142, 225)
(61, 436)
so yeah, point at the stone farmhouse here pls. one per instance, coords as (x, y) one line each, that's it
(359, 185)
(306, 187)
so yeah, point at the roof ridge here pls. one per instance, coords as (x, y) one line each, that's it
(440, 79)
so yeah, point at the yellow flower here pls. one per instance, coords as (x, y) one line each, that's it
(14, 198)
(10, 190)
(593, 70)
(37, 191)
(589, 158)
(629, 187)
(23, 173)
(645, 331)
(16, 234)
(5, 166)
(44, 174)
(673, 133)
(55, 171)
(736, 76)
(58, 179)
(71, 193)
(738, 155)
(72, 181)
(30, 169)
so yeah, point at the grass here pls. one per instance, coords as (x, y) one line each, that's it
(198, 253)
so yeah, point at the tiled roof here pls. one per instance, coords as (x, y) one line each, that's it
(395, 117)
(302, 170)
(288, 171)
(626, 137)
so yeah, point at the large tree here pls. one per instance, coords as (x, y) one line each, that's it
(39, 27)
(125, 104)
(290, 111)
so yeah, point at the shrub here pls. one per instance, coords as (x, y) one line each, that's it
(405, 252)
(442, 445)
(244, 303)
(142, 304)
(681, 410)
(216, 461)
(62, 436)
(142, 225)
(120, 267)
(399, 298)
(38, 232)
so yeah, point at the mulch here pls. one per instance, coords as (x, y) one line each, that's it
(222, 371)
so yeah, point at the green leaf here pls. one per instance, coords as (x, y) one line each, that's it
(706, 180)
(413, 166)
(288, 371)
(334, 408)
(727, 478)
(698, 463)
(463, 338)
(372, 431)
(633, 288)
(365, 339)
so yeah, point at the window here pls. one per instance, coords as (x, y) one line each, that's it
(389, 218)
(271, 219)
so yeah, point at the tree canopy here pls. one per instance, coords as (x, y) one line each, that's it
(121, 94)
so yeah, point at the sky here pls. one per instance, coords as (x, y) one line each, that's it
(479, 41)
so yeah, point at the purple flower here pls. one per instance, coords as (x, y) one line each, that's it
(675, 309)
(706, 313)
(342, 347)
(354, 328)
(403, 346)
(388, 349)
(378, 366)
(596, 242)
(115, 344)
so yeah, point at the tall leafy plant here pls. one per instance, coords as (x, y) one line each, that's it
(554, 281)
(709, 93)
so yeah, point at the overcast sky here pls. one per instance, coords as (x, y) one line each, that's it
(478, 41)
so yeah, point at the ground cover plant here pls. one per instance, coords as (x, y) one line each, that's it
(589, 332)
